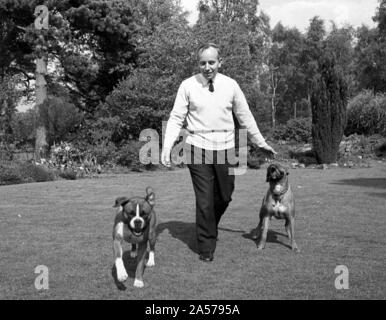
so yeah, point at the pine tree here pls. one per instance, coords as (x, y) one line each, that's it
(328, 105)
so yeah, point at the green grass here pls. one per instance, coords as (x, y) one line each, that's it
(67, 226)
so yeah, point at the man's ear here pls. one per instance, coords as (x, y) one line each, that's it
(220, 61)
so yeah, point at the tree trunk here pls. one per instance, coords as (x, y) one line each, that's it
(41, 22)
(273, 111)
(295, 110)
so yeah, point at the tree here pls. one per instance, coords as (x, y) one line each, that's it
(370, 53)
(8, 99)
(340, 42)
(149, 91)
(286, 80)
(94, 43)
(313, 47)
(328, 103)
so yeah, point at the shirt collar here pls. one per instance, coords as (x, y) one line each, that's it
(204, 81)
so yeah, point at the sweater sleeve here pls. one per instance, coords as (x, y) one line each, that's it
(245, 117)
(177, 117)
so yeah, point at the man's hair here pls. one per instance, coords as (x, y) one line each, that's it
(208, 45)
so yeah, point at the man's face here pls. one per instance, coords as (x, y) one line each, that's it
(209, 63)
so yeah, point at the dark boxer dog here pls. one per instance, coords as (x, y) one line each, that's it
(135, 223)
(278, 202)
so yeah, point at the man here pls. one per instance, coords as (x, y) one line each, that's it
(206, 101)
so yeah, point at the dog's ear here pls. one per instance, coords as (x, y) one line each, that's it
(120, 202)
(150, 196)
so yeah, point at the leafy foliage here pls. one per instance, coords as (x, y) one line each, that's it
(60, 118)
(298, 130)
(366, 114)
(23, 172)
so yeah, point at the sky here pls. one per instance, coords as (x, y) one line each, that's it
(297, 13)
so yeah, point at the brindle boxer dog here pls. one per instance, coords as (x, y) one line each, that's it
(135, 223)
(278, 202)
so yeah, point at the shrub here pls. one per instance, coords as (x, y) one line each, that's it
(10, 174)
(23, 172)
(68, 174)
(366, 114)
(37, 173)
(105, 151)
(128, 154)
(298, 130)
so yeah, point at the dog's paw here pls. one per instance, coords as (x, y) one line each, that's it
(296, 249)
(150, 261)
(133, 254)
(260, 248)
(138, 283)
(122, 277)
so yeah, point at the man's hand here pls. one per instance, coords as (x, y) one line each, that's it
(269, 150)
(165, 157)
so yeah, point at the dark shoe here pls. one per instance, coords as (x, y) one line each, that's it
(206, 257)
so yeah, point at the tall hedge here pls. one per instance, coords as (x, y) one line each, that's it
(328, 105)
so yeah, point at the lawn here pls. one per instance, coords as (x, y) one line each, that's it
(67, 226)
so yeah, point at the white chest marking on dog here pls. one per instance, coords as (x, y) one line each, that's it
(150, 262)
(278, 207)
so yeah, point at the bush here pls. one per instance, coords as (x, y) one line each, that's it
(105, 151)
(366, 114)
(128, 154)
(68, 174)
(298, 130)
(24, 172)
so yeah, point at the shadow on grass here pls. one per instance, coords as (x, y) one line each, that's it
(183, 231)
(130, 266)
(364, 182)
(272, 237)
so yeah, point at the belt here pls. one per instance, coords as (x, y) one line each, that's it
(209, 131)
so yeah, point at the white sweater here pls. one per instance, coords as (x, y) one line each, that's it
(209, 114)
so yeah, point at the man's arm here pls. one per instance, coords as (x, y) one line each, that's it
(175, 122)
(246, 120)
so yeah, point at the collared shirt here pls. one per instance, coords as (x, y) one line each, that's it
(209, 114)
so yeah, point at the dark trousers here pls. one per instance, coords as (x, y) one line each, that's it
(213, 187)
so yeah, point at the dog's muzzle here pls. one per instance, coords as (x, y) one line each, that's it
(137, 224)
